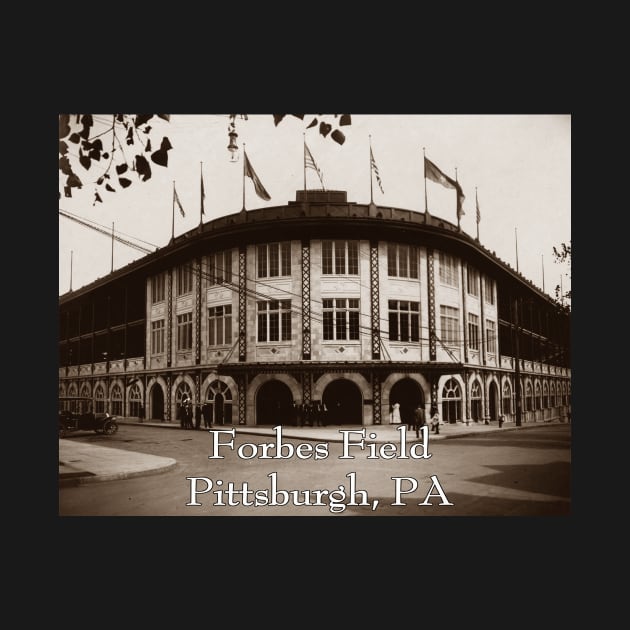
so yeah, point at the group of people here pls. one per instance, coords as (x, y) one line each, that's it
(415, 420)
(309, 414)
(187, 411)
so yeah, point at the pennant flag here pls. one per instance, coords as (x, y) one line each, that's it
(179, 203)
(435, 174)
(378, 177)
(309, 162)
(478, 211)
(203, 195)
(258, 187)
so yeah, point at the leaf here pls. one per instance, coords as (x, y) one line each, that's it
(143, 168)
(345, 120)
(63, 147)
(124, 182)
(313, 123)
(86, 145)
(324, 128)
(121, 168)
(277, 118)
(86, 121)
(85, 161)
(142, 118)
(73, 181)
(95, 154)
(68, 191)
(105, 155)
(300, 116)
(64, 166)
(108, 187)
(120, 117)
(75, 138)
(147, 129)
(160, 157)
(338, 136)
(97, 197)
(64, 125)
(97, 144)
(166, 117)
(130, 136)
(100, 180)
(166, 145)
(148, 147)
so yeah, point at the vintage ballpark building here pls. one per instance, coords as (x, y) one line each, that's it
(356, 306)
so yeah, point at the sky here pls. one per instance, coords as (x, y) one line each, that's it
(520, 165)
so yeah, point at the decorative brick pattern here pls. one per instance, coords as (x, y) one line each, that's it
(242, 308)
(374, 300)
(431, 288)
(306, 302)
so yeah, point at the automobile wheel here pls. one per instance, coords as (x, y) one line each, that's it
(110, 428)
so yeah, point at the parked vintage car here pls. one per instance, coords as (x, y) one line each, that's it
(73, 416)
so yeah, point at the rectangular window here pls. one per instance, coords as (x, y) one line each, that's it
(449, 322)
(473, 282)
(404, 320)
(274, 260)
(184, 279)
(402, 261)
(157, 288)
(473, 331)
(488, 289)
(220, 267)
(220, 325)
(274, 320)
(448, 270)
(491, 336)
(184, 331)
(341, 319)
(340, 257)
(157, 337)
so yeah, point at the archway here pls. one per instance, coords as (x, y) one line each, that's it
(344, 403)
(493, 401)
(409, 395)
(157, 402)
(219, 401)
(273, 404)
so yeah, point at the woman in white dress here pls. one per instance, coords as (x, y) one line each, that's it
(395, 415)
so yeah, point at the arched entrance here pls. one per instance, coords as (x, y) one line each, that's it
(219, 400)
(273, 404)
(493, 401)
(409, 395)
(344, 403)
(157, 402)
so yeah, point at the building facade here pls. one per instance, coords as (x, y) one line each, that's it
(353, 306)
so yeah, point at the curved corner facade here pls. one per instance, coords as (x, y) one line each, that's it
(324, 304)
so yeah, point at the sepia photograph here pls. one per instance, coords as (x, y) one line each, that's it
(314, 315)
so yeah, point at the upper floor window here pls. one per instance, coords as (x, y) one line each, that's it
(219, 325)
(340, 257)
(157, 337)
(449, 322)
(184, 279)
(220, 267)
(404, 320)
(341, 318)
(402, 261)
(473, 282)
(274, 320)
(488, 289)
(491, 336)
(184, 331)
(473, 331)
(157, 288)
(448, 270)
(274, 259)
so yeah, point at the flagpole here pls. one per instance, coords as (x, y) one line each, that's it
(424, 166)
(516, 245)
(371, 186)
(477, 210)
(459, 227)
(173, 217)
(244, 162)
(304, 138)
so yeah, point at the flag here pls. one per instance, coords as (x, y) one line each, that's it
(477, 204)
(258, 187)
(309, 162)
(203, 195)
(435, 174)
(176, 200)
(378, 177)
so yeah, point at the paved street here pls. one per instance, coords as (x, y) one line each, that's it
(524, 472)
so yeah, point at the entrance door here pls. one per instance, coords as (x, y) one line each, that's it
(273, 404)
(493, 401)
(344, 403)
(157, 402)
(408, 394)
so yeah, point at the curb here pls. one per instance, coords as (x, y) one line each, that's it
(85, 477)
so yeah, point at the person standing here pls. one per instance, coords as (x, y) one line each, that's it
(205, 412)
(396, 413)
(419, 418)
(435, 420)
(197, 417)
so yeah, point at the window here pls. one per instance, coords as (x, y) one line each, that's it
(473, 331)
(220, 325)
(157, 337)
(488, 289)
(552, 401)
(184, 331)
(491, 336)
(545, 395)
(451, 401)
(402, 261)
(507, 397)
(219, 403)
(473, 282)
(116, 396)
(449, 321)
(274, 320)
(99, 397)
(157, 288)
(85, 391)
(184, 279)
(183, 391)
(340, 257)
(528, 397)
(448, 270)
(135, 401)
(220, 267)
(404, 321)
(341, 318)
(538, 400)
(274, 260)
(475, 401)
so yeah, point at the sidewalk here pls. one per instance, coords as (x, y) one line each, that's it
(81, 463)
